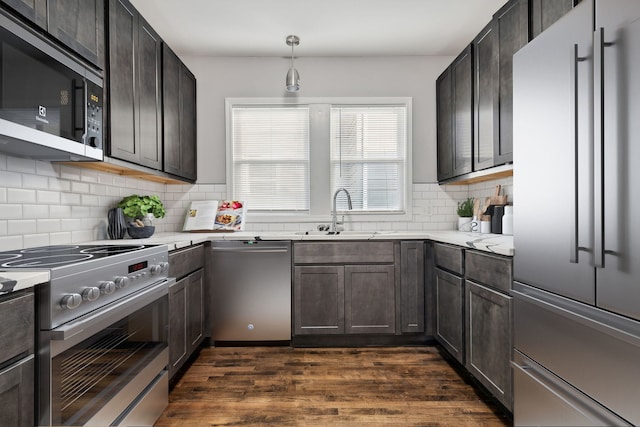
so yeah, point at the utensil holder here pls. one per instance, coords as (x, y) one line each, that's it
(117, 226)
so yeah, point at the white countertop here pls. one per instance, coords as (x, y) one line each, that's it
(26, 279)
(494, 243)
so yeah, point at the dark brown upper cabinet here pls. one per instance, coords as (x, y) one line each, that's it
(134, 70)
(79, 24)
(454, 92)
(34, 11)
(544, 13)
(179, 117)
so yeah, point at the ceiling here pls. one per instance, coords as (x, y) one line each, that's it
(325, 27)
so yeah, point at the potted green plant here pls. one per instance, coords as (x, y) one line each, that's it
(142, 210)
(465, 213)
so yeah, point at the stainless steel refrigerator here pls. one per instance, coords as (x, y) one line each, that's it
(577, 241)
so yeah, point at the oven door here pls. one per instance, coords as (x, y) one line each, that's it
(98, 369)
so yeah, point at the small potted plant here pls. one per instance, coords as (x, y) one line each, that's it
(465, 213)
(141, 210)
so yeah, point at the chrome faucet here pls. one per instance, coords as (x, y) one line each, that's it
(334, 224)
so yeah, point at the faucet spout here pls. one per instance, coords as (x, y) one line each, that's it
(334, 223)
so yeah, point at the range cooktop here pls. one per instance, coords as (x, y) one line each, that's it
(62, 255)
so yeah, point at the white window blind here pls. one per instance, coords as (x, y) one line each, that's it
(368, 152)
(271, 157)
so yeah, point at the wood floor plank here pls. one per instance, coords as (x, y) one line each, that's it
(408, 386)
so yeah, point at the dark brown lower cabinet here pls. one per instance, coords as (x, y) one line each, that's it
(412, 286)
(369, 299)
(186, 305)
(449, 296)
(17, 394)
(318, 300)
(488, 339)
(17, 359)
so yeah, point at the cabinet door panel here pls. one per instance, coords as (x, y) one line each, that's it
(16, 394)
(195, 309)
(445, 128)
(122, 82)
(177, 325)
(369, 299)
(449, 312)
(512, 35)
(188, 137)
(150, 125)
(412, 287)
(33, 10)
(545, 12)
(18, 339)
(486, 99)
(488, 339)
(319, 300)
(171, 110)
(80, 25)
(462, 85)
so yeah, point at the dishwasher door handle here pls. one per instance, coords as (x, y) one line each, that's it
(247, 250)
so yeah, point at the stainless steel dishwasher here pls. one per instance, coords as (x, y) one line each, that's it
(250, 290)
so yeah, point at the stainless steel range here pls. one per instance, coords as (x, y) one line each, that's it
(102, 332)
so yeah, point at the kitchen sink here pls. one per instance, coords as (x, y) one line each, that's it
(355, 234)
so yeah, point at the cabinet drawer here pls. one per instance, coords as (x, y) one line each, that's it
(185, 261)
(343, 252)
(17, 340)
(491, 270)
(449, 257)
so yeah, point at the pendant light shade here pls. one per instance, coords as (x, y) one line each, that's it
(293, 78)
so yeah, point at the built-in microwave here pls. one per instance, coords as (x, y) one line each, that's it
(50, 101)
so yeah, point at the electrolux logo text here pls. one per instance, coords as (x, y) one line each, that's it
(42, 114)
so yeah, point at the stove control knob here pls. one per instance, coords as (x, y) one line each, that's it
(91, 294)
(71, 301)
(164, 267)
(122, 282)
(155, 269)
(107, 287)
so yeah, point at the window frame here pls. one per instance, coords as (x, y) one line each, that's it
(320, 163)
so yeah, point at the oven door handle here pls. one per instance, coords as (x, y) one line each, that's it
(69, 334)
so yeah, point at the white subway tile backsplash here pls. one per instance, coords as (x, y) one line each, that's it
(61, 238)
(59, 185)
(47, 169)
(88, 175)
(70, 198)
(3, 227)
(10, 179)
(80, 211)
(49, 197)
(35, 211)
(22, 165)
(18, 195)
(61, 211)
(3, 195)
(48, 225)
(89, 200)
(70, 173)
(21, 226)
(79, 187)
(35, 181)
(33, 240)
(11, 242)
(10, 211)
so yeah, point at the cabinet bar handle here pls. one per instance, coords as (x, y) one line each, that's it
(598, 157)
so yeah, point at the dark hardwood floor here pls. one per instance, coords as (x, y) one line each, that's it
(408, 386)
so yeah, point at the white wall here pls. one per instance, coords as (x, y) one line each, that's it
(222, 77)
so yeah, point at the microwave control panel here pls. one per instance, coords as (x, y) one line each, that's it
(94, 115)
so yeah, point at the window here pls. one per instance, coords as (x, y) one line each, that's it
(290, 156)
(271, 157)
(368, 156)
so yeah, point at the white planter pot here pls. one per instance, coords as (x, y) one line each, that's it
(464, 224)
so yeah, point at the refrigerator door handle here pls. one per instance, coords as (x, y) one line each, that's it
(599, 140)
(573, 246)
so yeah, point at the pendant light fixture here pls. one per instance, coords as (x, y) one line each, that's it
(293, 78)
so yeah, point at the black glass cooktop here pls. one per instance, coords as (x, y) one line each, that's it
(61, 255)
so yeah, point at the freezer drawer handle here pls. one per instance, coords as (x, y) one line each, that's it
(574, 248)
